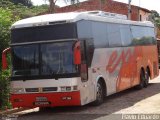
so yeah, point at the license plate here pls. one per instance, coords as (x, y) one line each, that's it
(41, 99)
(42, 103)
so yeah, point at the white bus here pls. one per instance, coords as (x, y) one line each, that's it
(72, 59)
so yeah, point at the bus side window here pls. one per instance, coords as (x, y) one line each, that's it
(89, 51)
(114, 35)
(125, 35)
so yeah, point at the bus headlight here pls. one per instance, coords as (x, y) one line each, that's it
(17, 90)
(63, 89)
(75, 87)
(68, 88)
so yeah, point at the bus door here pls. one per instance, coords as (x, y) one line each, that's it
(84, 58)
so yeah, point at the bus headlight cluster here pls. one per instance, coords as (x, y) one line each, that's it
(69, 88)
(17, 90)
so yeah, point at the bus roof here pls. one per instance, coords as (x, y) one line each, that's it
(58, 18)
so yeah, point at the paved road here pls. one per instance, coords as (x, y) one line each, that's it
(130, 101)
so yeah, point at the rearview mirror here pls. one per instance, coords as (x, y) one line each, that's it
(77, 53)
(4, 58)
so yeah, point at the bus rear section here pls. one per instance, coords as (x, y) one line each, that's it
(76, 62)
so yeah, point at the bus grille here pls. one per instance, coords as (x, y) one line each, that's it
(45, 89)
(32, 90)
(49, 89)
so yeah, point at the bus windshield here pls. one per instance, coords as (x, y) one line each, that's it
(43, 59)
(57, 58)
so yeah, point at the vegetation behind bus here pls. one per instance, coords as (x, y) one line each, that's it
(5, 86)
(4, 90)
(155, 18)
(11, 11)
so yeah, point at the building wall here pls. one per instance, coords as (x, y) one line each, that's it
(143, 15)
(108, 6)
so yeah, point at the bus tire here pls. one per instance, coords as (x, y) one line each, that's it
(146, 82)
(142, 80)
(99, 94)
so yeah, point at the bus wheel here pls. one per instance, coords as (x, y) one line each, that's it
(146, 82)
(142, 80)
(100, 94)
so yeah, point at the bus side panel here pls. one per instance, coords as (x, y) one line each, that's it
(128, 70)
(137, 56)
(150, 59)
(133, 60)
(106, 63)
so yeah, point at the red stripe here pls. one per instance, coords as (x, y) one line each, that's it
(27, 100)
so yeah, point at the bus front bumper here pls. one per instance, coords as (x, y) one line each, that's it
(46, 99)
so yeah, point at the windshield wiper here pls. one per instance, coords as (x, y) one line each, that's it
(54, 75)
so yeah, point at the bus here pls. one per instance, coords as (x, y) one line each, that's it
(158, 46)
(76, 58)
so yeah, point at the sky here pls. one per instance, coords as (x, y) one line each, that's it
(149, 4)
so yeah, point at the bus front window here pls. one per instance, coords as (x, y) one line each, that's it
(57, 58)
(25, 60)
(46, 59)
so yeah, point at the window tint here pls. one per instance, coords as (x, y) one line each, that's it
(115, 35)
(143, 35)
(125, 35)
(84, 29)
(25, 60)
(57, 58)
(53, 59)
(113, 32)
(43, 33)
(100, 34)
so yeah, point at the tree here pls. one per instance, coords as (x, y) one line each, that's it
(4, 90)
(27, 3)
(154, 13)
(6, 20)
(155, 18)
(52, 4)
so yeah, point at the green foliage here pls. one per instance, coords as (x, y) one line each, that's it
(33, 11)
(27, 3)
(6, 20)
(155, 18)
(4, 90)
(23, 11)
(9, 13)
(154, 14)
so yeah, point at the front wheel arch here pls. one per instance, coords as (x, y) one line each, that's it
(100, 84)
(104, 85)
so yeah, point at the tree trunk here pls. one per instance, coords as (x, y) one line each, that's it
(51, 6)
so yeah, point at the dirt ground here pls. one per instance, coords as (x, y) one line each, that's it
(150, 102)
(145, 101)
